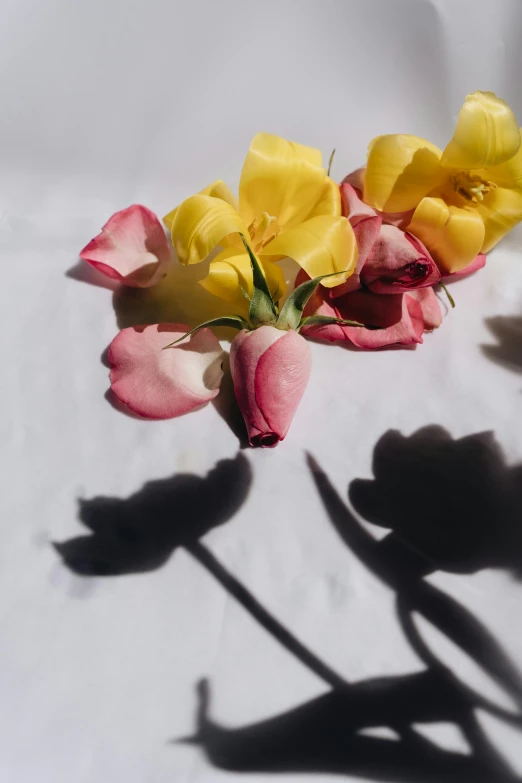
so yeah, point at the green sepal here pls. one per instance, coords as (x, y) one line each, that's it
(244, 292)
(233, 321)
(324, 320)
(292, 311)
(262, 307)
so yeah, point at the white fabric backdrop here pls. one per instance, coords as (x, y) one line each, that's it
(109, 103)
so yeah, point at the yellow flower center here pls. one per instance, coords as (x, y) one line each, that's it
(262, 230)
(471, 187)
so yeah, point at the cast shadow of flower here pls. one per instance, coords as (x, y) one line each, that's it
(455, 502)
(508, 332)
(140, 533)
(461, 512)
(324, 735)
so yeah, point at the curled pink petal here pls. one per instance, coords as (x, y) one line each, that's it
(401, 323)
(398, 316)
(399, 219)
(476, 264)
(270, 370)
(356, 179)
(161, 384)
(366, 226)
(132, 248)
(429, 305)
(353, 207)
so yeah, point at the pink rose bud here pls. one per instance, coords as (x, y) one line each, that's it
(270, 369)
(391, 261)
(398, 262)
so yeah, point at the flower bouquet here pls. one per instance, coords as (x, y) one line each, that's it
(369, 255)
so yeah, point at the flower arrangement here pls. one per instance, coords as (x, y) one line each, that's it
(369, 254)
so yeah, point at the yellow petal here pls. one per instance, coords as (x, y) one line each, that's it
(200, 224)
(486, 133)
(501, 210)
(311, 154)
(330, 201)
(321, 245)
(509, 174)
(401, 170)
(453, 235)
(217, 189)
(230, 270)
(281, 178)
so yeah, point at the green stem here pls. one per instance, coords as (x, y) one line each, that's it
(330, 161)
(450, 298)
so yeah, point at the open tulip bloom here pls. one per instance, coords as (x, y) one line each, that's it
(371, 252)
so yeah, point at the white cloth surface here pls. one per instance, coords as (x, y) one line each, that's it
(108, 103)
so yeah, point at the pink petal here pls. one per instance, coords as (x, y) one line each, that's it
(475, 265)
(132, 248)
(399, 219)
(354, 208)
(407, 330)
(430, 307)
(398, 262)
(330, 332)
(245, 352)
(281, 379)
(161, 384)
(366, 225)
(356, 179)
(270, 369)
(398, 316)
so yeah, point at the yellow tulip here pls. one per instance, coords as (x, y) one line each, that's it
(287, 207)
(465, 198)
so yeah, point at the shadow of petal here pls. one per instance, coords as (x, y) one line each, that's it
(85, 273)
(508, 332)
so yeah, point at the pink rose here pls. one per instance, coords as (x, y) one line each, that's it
(270, 369)
(390, 260)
